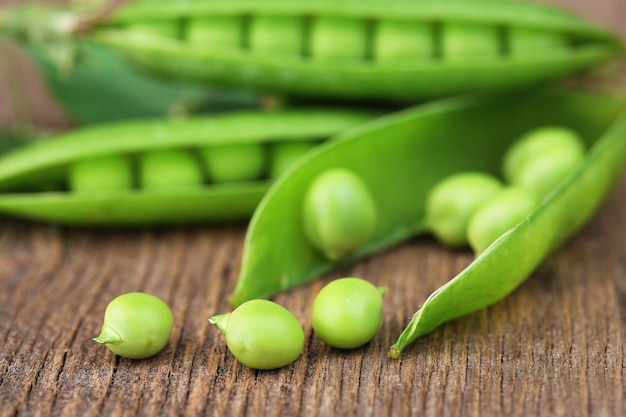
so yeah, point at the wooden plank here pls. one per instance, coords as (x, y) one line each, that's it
(555, 347)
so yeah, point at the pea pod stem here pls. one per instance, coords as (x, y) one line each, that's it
(220, 321)
(108, 335)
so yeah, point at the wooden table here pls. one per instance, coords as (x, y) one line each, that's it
(555, 347)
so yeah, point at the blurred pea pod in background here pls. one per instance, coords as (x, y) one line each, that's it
(83, 83)
(352, 50)
(103, 87)
(334, 50)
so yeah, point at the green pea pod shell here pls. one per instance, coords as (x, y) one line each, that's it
(359, 49)
(407, 153)
(34, 179)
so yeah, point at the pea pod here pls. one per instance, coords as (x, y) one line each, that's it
(340, 49)
(407, 153)
(401, 50)
(81, 177)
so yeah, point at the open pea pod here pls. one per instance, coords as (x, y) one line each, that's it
(376, 49)
(156, 171)
(399, 157)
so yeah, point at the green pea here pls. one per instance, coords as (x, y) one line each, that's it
(136, 325)
(542, 174)
(339, 213)
(498, 215)
(338, 38)
(527, 41)
(348, 312)
(277, 34)
(99, 174)
(165, 169)
(535, 142)
(216, 32)
(286, 154)
(452, 201)
(540, 159)
(261, 334)
(161, 28)
(467, 40)
(236, 162)
(402, 39)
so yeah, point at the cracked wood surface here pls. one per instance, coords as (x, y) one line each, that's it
(555, 347)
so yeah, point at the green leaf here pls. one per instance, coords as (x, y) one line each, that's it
(102, 86)
(12, 140)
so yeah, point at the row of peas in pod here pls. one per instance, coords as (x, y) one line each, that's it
(399, 51)
(185, 168)
(345, 38)
(205, 168)
(347, 313)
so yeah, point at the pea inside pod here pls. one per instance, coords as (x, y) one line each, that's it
(276, 34)
(339, 214)
(106, 173)
(451, 203)
(353, 51)
(338, 39)
(172, 168)
(541, 158)
(164, 28)
(414, 150)
(284, 155)
(397, 39)
(216, 32)
(463, 40)
(213, 168)
(498, 214)
(535, 41)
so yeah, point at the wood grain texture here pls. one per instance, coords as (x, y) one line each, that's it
(555, 347)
